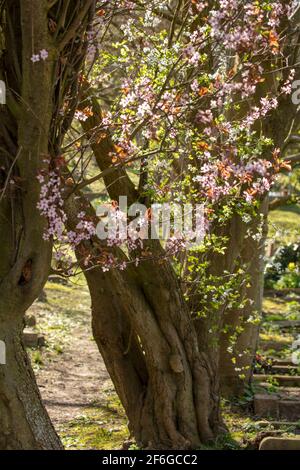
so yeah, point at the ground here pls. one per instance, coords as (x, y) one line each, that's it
(78, 393)
(71, 374)
(284, 224)
(80, 397)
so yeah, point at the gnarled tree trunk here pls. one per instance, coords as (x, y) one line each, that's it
(25, 257)
(209, 327)
(144, 331)
(165, 381)
(236, 365)
(24, 422)
(29, 136)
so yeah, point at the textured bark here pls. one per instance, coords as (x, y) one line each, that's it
(24, 422)
(144, 331)
(28, 136)
(209, 327)
(247, 253)
(236, 375)
(25, 258)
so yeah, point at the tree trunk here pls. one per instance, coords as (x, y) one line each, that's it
(24, 422)
(25, 256)
(236, 366)
(31, 130)
(209, 327)
(144, 332)
(229, 336)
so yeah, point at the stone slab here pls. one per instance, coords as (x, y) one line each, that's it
(283, 380)
(280, 443)
(33, 340)
(276, 406)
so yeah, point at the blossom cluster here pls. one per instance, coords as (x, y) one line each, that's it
(42, 55)
(51, 206)
(165, 81)
(188, 95)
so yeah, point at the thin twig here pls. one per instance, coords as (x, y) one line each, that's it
(9, 173)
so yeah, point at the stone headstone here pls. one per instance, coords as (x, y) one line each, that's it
(33, 340)
(266, 405)
(280, 443)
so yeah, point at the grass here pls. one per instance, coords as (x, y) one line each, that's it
(275, 306)
(67, 306)
(99, 428)
(284, 224)
(245, 430)
(278, 337)
(273, 343)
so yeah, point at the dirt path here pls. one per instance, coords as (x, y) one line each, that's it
(73, 380)
(71, 374)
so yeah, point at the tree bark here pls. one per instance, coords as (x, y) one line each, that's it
(209, 327)
(29, 138)
(236, 366)
(24, 422)
(25, 259)
(144, 331)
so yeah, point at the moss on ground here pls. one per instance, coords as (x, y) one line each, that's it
(99, 428)
(275, 306)
(284, 224)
